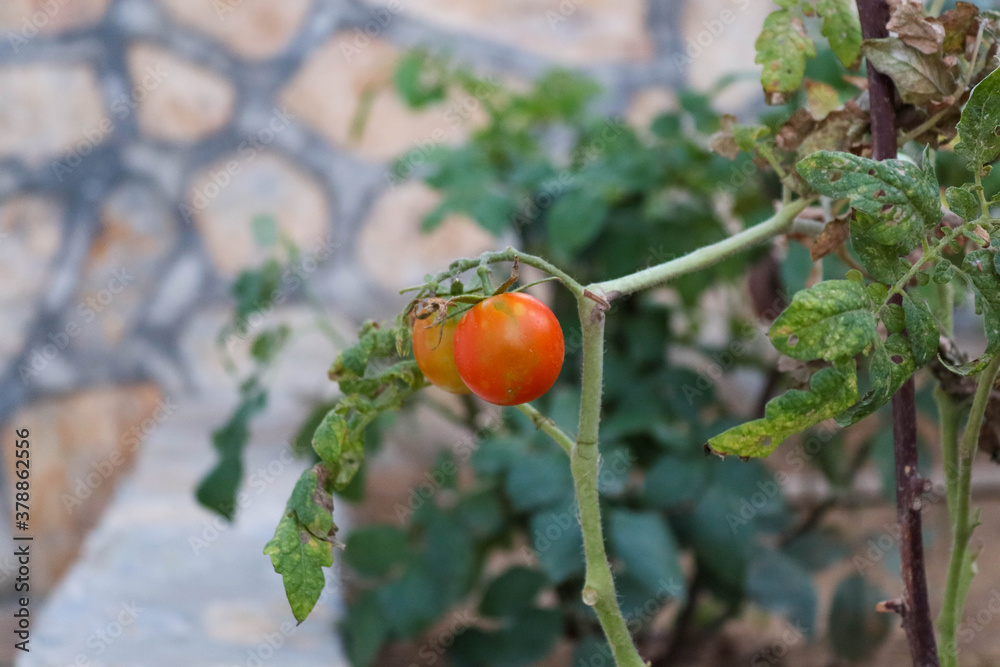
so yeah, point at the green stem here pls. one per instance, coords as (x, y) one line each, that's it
(930, 255)
(954, 593)
(704, 257)
(547, 426)
(950, 416)
(935, 8)
(599, 586)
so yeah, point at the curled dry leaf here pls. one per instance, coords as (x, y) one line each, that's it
(913, 28)
(834, 234)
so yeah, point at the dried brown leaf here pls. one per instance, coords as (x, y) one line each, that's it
(834, 234)
(910, 24)
(959, 23)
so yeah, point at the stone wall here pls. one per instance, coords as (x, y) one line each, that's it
(138, 138)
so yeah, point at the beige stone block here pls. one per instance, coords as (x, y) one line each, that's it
(80, 444)
(177, 100)
(47, 110)
(719, 38)
(397, 254)
(30, 231)
(226, 197)
(572, 32)
(347, 75)
(27, 18)
(254, 29)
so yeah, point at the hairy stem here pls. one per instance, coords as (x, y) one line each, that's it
(547, 426)
(599, 586)
(962, 527)
(706, 256)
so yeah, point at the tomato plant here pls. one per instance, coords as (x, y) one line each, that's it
(509, 348)
(883, 229)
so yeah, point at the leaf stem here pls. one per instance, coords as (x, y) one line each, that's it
(599, 585)
(706, 256)
(962, 527)
(547, 426)
(932, 254)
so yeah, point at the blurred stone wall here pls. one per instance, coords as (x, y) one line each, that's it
(138, 138)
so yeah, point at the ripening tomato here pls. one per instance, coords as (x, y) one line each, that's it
(432, 346)
(509, 348)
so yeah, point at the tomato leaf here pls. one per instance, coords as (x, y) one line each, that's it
(647, 547)
(919, 78)
(979, 141)
(512, 592)
(832, 390)
(903, 198)
(301, 545)
(375, 550)
(841, 28)
(979, 271)
(574, 221)
(856, 629)
(832, 320)
(778, 583)
(782, 48)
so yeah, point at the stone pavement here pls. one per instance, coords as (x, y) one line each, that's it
(162, 582)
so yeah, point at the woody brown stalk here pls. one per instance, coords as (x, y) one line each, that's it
(915, 609)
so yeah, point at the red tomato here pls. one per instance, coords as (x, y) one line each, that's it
(432, 346)
(509, 348)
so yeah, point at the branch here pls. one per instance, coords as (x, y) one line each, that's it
(915, 609)
(704, 257)
(547, 426)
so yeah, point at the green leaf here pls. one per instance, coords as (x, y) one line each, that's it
(746, 135)
(647, 548)
(481, 513)
(891, 365)
(312, 504)
(817, 550)
(420, 79)
(592, 651)
(574, 221)
(255, 290)
(885, 262)
(329, 438)
(963, 203)
(529, 639)
(512, 592)
(558, 542)
(364, 630)
(977, 130)
(919, 78)
(673, 482)
(268, 344)
(374, 551)
(299, 557)
(782, 48)
(833, 390)
(450, 555)
(831, 320)
(781, 585)
(921, 328)
(855, 628)
(412, 603)
(902, 197)
(841, 28)
(539, 480)
(217, 491)
(979, 271)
